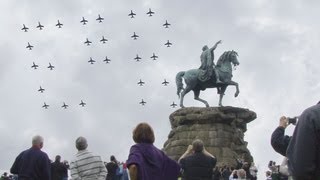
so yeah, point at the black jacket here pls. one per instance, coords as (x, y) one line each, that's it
(279, 141)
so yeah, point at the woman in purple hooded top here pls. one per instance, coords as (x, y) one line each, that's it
(147, 162)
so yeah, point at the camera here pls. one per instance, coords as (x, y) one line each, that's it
(271, 163)
(292, 120)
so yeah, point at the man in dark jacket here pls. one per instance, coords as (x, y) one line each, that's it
(304, 148)
(57, 169)
(198, 165)
(32, 163)
(279, 140)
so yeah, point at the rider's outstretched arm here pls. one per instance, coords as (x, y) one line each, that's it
(215, 46)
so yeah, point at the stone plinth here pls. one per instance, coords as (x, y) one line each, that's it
(220, 128)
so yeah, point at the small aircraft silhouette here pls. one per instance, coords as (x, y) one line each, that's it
(173, 105)
(168, 43)
(100, 19)
(25, 29)
(154, 57)
(59, 24)
(150, 12)
(132, 14)
(41, 89)
(166, 25)
(82, 103)
(142, 102)
(137, 58)
(134, 36)
(107, 60)
(165, 82)
(45, 106)
(91, 61)
(40, 26)
(103, 40)
(50, 66)
(35, 66)
(87, 42)
(65, 106)
(29, 46)
(84, 21)
(141, 83)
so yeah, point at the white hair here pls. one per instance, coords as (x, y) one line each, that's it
(37, 140)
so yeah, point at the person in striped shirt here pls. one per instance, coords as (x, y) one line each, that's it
(86, 165)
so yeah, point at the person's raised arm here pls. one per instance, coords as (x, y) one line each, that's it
(215, 46)
(188, 151)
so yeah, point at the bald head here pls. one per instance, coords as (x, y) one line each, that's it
(37, 141)
(81, 143)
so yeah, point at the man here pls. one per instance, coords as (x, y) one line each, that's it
(112, 167)
(57, 169)
(279, 140)
(196, 162)
(304, 148)
(65, 170)
(86, 165)
(207, 64)
(32, 163)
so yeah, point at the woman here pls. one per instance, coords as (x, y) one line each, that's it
(145, 161)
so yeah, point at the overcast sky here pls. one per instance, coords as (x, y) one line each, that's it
(277, 43)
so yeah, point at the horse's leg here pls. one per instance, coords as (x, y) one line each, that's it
(237, 87)
(183, 93)
(223, 89)
(196, 97)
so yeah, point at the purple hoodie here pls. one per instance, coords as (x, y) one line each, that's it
(152, 163)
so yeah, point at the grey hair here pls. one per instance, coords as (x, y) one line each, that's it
(81, 143)
(37, 140)
(197, 145)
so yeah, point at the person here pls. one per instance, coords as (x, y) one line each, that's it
(147, 162)
(57, 169)
(280, 141)
(303, 152)
(112, 167)
(253, 171)
(207, 64)
(5, 176)
(242, 175)
(196, 162)
(65, 170)
(33, 163)
(86, 165)
(268, 175)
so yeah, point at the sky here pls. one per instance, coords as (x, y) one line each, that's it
(277, 43)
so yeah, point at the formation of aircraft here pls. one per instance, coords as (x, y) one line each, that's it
(100, 19)
(87, 42)
(142, 102)
(82, 103)
(40, 26)
(65, 106)
(41, 89)
(50, 66)
(91, 61)
(84, 21)
(25, 29)
(166, 25)
(59, 24)
(168, 43)
(165, 82)
(134, 36)
(35, 66)
(173, 105)
(29, 46)
(150, 12)
(137, 58)
(141, 83)
(103, 40)
(107, 60)
(154, 57)
(45, 105)
(132, 14)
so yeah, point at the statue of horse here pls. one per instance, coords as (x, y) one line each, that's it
(224, 67)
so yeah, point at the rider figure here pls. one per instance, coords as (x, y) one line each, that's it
(207, 64)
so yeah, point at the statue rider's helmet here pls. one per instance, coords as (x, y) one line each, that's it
(205, 47)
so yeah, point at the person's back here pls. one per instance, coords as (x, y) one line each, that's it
(57, 169)
(112, 167)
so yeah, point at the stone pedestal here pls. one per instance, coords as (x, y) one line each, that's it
(220, 128)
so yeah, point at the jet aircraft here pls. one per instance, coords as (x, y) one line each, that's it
(134, 36)
(166, 25)
(132, 14)
(82, 103)
(100, 19)
(103, 40)
(59, 24)
(40, 26)
(137, 58)
(107, 60)
(168, 43)
(65, 106)
(141, 83)
(84, 21)
(91, 61)
(87, 42)
(154, 57)
(50, 66)
(150, 12)
(29, 46)
(25, 29)
(173, 105)
(165, 82)
(45, 106)
(41, 89)
(142, 102)
(35, 66)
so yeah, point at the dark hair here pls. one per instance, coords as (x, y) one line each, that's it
(197, 145)
(112, 158)
(143, 133)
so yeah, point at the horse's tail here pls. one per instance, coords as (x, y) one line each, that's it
(179, 82)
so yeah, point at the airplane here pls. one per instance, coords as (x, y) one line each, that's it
(154, 57)
(99, 18)
(165, 82)
(82, 103)
(134, 36)
(40, 26)
(87, 42)
(132, 14)
(45, 106)
(25, 29)
(141, 83)
(29, 46)
(84, 21)
(150, 12)
(50, 66)
(173, 105)
(166, 25)
(91, 61)
(142, 102)
(59, 24)
(41, 89)
(107, 60)
(65, 106)
(35, 66)
(137, 58)
(168, 43)
(103, 40)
